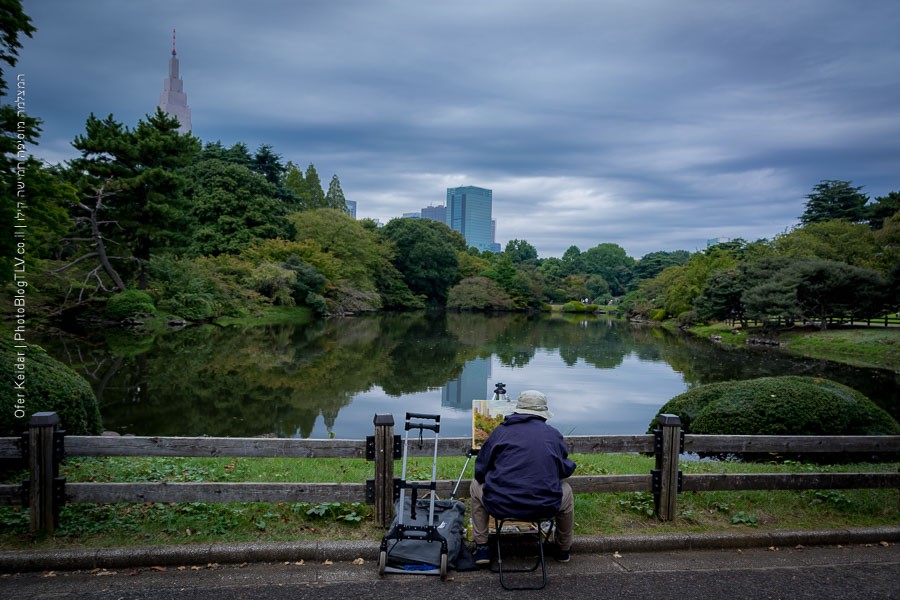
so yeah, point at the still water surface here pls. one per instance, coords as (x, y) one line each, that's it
(329, 379)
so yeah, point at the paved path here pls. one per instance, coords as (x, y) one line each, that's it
(844, 563)
(870, 571)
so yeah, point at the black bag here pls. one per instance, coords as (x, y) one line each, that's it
(412, 551)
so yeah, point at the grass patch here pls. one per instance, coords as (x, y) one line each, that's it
(85, 525)
(871, 347)
(868, 347)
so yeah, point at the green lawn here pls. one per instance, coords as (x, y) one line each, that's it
(610, 513)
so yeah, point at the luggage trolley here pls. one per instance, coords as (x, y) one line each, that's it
(414, 544)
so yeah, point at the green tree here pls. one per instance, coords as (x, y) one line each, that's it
(833, 199)
(268, 164)
(721, 297)
(571, 259)
(815, 290)
(231, 207)
(610, 262)
(478, 294)
(652, 264)
(838, 240)
(140, 169)
(314, 196)
(427, 258)
(520, 251)
(883, 208)
(334, 198)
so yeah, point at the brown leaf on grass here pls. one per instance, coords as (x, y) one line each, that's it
(359, 561)
(158, 569)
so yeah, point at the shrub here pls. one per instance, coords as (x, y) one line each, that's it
(573, 306)
(779, 406)
(48, 386)
(478, 294)
(128, 304)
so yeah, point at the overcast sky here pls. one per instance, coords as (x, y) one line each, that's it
(652, 124)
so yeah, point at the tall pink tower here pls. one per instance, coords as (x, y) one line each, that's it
(173, 100)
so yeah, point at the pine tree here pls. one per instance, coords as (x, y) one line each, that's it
(335, 196)
(138, 170)
(315, 196)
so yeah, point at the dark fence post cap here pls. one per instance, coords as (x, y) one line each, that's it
(668, 420)
(43, 418)
(384, 420)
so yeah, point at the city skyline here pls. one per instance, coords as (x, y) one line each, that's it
(652, 126)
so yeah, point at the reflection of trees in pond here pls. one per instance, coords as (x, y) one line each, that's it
(277, 380)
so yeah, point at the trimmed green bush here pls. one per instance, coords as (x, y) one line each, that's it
(128, 304)
(46, 385)
(779, 406)
(573, 306)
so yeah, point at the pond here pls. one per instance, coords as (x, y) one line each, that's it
(330, 378)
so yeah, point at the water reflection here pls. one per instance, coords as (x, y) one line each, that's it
(330, 378)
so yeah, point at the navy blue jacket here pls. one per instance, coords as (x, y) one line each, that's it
(520, 466)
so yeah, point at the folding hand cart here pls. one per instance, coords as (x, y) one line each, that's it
(414, 544)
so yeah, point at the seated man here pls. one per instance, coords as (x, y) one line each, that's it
(519, 473)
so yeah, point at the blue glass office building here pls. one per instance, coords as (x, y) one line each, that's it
(469, 212)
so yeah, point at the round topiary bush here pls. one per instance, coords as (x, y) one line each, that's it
(779, 406)
(43, 384)
(128, 304)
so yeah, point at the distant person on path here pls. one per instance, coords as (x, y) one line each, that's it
(519, 473)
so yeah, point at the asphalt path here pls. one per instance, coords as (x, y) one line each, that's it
(870, 571)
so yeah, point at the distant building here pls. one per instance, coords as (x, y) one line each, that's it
(173, 100)
(469, 212)
(435, 213)
(412, 215)
(351, 206)
(717, 241)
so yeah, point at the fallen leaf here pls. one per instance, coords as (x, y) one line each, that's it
(799, 547)
(885, 544)
(242, 565)
(159, 569)
(49, 574)
(299, 563)
(196, 568)
(617, 555)
(773, 549)
(105, 573)
(359, 561)
(327, 562)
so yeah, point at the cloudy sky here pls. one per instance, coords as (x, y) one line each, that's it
(652, 124)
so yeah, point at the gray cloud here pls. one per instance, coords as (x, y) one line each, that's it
(654, 125)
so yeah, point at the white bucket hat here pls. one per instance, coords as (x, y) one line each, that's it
(532, 402)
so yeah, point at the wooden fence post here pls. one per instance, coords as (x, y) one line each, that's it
(384, 469)
(45, 450)
(666, 476)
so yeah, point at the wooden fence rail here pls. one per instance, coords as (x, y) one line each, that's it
(44, 446)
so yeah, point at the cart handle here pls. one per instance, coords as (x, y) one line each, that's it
(436, 427)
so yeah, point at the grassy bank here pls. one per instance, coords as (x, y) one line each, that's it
(869, 347)
(621, 513)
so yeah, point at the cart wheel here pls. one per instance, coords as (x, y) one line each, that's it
(443, 567)
(382, 563)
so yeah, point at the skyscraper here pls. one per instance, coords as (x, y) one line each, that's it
(173, 100)
(469, 212)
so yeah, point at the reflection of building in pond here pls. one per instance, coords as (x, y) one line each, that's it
(472, 384)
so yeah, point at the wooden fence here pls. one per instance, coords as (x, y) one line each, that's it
(43, 446)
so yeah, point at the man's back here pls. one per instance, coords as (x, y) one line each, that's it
(521, 465)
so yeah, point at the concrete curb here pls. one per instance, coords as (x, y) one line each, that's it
(201, 554)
